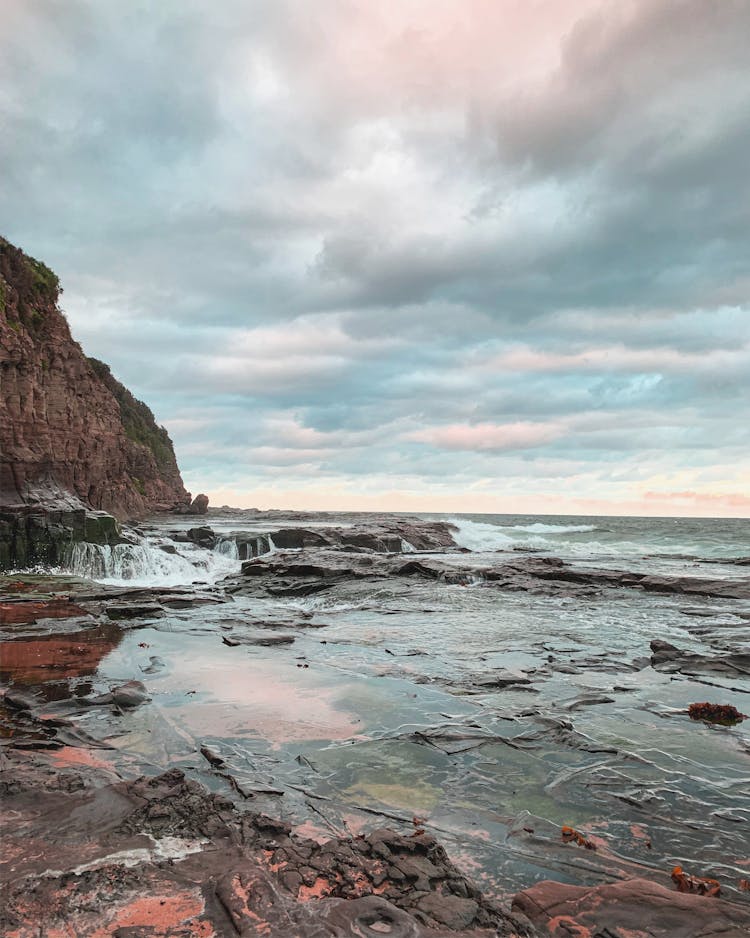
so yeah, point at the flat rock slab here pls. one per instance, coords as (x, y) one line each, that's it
(24, 611)
(635, 908)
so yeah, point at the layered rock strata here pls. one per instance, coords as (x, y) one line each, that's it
(72, 438)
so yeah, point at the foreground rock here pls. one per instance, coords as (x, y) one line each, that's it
(636, 908)
(88, 854)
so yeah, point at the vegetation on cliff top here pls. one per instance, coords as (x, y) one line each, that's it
(138, 420)
(34, 284)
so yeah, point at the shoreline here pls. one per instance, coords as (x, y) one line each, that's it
(277, 618)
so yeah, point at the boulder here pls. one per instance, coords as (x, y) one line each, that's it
(199, 505)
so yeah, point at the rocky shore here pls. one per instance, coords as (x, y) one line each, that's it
(262, 756)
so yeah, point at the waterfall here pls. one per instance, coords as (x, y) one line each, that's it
(227, 547)
(148, 563)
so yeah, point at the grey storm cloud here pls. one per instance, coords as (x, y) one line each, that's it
(421, 247)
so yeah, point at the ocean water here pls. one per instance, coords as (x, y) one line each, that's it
(681, 541)
(495, 711)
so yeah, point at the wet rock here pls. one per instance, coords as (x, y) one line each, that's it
(133, 610)
(260, 640)
(503, 678)
(557, 570)
(210, 756)
(297, 538)
(305, 588)
(624, 909)
(188, 600)
(203, 537)
(156, 665)
(667, 657)
(588, 700)
(452, 911)
(28, 611)
(18, 700)
(127, 695)
(249, 547)
(370, 917)
(415, 568)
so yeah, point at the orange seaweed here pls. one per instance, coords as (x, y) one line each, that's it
(571, 835)
(695, 884)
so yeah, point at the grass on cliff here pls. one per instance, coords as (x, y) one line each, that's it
(138, 420)
(28, 282)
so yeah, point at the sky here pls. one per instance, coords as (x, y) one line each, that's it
(422, 255)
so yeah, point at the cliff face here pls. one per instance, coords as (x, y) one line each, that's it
(66, 424)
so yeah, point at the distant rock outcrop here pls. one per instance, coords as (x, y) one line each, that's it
(72, 438)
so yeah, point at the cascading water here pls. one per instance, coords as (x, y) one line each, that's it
(148, 563)
(227, 547)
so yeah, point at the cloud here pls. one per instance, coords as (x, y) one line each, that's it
(425, 248)
(487, 436)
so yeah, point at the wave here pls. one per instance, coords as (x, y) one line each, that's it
(482, 536)
(540, 528)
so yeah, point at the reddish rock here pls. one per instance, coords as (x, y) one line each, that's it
(24, 612)
(199, 505)
(635, 908)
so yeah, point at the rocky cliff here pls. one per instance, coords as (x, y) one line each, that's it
(71, 436)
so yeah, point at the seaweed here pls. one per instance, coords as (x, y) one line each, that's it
(724, 714)
(695, 884)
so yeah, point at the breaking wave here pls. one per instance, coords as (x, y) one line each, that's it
(484, 536)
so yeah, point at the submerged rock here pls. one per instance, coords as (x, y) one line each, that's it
(127, 695)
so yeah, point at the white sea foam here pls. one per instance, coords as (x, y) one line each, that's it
(480, 536)
(483, 536)
(540, 528)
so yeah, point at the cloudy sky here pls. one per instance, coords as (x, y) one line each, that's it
(478, 255)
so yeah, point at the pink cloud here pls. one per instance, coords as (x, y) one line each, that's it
(488, 436)
(703, 499)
